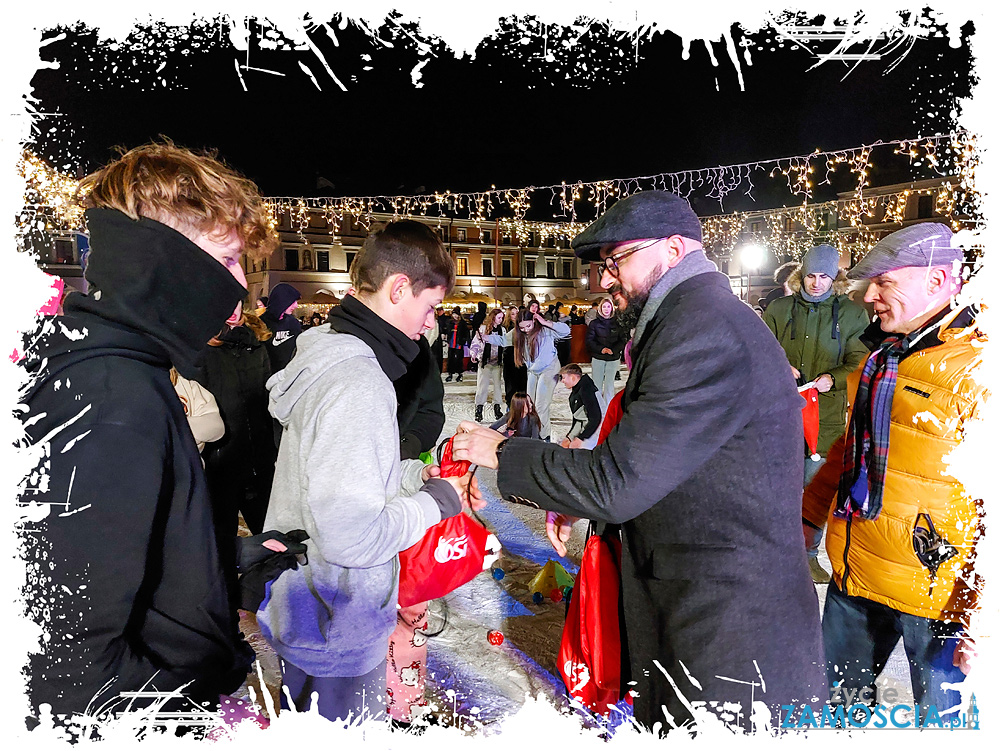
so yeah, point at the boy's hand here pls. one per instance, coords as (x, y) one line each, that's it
(431, 470)
(468, 491)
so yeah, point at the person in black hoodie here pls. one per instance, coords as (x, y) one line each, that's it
(127, 569)
(240, 465)
(458, 337)
(586, 405)
(284, 326)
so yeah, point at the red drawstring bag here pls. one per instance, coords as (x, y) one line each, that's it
(590, 653)
(590, 650)
(449, 554)
(810, 418)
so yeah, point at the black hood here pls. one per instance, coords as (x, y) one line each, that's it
(153, 295)
(394, 350)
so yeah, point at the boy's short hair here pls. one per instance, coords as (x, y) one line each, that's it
(403, 247)
(185, 190)
(570, 369)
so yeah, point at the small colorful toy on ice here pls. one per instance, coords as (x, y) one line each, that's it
(495, 638)
(551, 581)
(498, 573)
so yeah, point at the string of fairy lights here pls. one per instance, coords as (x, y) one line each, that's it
(50, 203)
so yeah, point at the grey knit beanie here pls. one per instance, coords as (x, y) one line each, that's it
(823, 259)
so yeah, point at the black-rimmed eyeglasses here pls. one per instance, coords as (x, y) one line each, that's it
(610, 264)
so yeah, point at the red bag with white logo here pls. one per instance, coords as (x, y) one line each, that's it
(590, 650)
(449, 554)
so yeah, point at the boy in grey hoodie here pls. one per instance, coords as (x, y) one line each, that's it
(339, 476)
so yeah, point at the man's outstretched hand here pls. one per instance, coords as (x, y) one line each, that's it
(558, 528)
(477, 444)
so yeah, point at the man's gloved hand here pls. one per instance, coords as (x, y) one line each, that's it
(262, 558)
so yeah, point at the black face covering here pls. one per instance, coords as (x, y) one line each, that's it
(149, 278)
(394, 350)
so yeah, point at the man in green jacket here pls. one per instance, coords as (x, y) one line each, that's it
(819, 328)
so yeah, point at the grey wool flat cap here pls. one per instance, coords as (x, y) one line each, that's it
(640, 216)
(926, 244)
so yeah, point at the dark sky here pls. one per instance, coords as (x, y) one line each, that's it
(508, 117)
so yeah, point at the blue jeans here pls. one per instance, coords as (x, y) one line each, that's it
(859, 635)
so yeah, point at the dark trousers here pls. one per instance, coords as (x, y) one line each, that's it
(456, 360)
(859, 635)
(336, 698)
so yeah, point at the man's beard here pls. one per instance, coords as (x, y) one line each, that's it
(636, 300)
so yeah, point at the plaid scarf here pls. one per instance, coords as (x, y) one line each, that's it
(866, 452)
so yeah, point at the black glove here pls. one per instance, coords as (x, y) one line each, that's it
(258, 565)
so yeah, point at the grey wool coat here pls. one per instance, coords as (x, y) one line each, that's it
(704, 472)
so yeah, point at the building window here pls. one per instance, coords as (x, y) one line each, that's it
(462, 235)
(505, 240)
(552, 241)
(755, 227)
(442, 233)
(64, 250)
(506, 267)
(567, 269)
(461, 266)
(789, 224)
(322, 260)
(529, 269)
(487, 267)
(488, 236)
(291, 259)
(350, 259)
(925, 207)
(263, 265)
(534, 240)
(550, 269)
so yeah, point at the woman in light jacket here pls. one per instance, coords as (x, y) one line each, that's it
(534, 342)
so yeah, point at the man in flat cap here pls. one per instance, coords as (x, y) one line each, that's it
(704, 474)
(901, 531)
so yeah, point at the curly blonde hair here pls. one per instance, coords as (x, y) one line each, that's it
(191, 192)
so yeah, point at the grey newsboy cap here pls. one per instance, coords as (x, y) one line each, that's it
(926, 244)
(648, 214)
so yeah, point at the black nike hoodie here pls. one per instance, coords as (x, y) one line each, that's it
(126, 571)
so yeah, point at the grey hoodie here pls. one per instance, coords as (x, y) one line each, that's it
(339, 477)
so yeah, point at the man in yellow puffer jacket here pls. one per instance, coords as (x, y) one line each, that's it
(901, 530)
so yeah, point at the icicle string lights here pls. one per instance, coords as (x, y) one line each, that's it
(49, 195)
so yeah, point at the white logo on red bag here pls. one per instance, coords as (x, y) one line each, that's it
(451, 548)
(579, 675)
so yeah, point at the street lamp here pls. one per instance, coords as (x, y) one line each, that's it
(751, 258)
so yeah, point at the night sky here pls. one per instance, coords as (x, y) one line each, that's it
(509, 117)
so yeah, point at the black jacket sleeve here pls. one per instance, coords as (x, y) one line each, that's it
(687, 407)
(423, 429)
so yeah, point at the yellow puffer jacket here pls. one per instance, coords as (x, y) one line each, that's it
(936, 393)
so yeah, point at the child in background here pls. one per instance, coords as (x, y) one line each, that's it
(534, 341)
(586, 403)
(522, 419)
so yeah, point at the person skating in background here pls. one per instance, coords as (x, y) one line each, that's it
(605, 342)
(490, 364)
(132, 533)
(515, 376)
(586, 405)
(479, 318)
(521, 420)
(819, 328)
(240, 465)
(534, 342)
(458, 337)
(339, 476)
(283, 325)
(902, 531)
